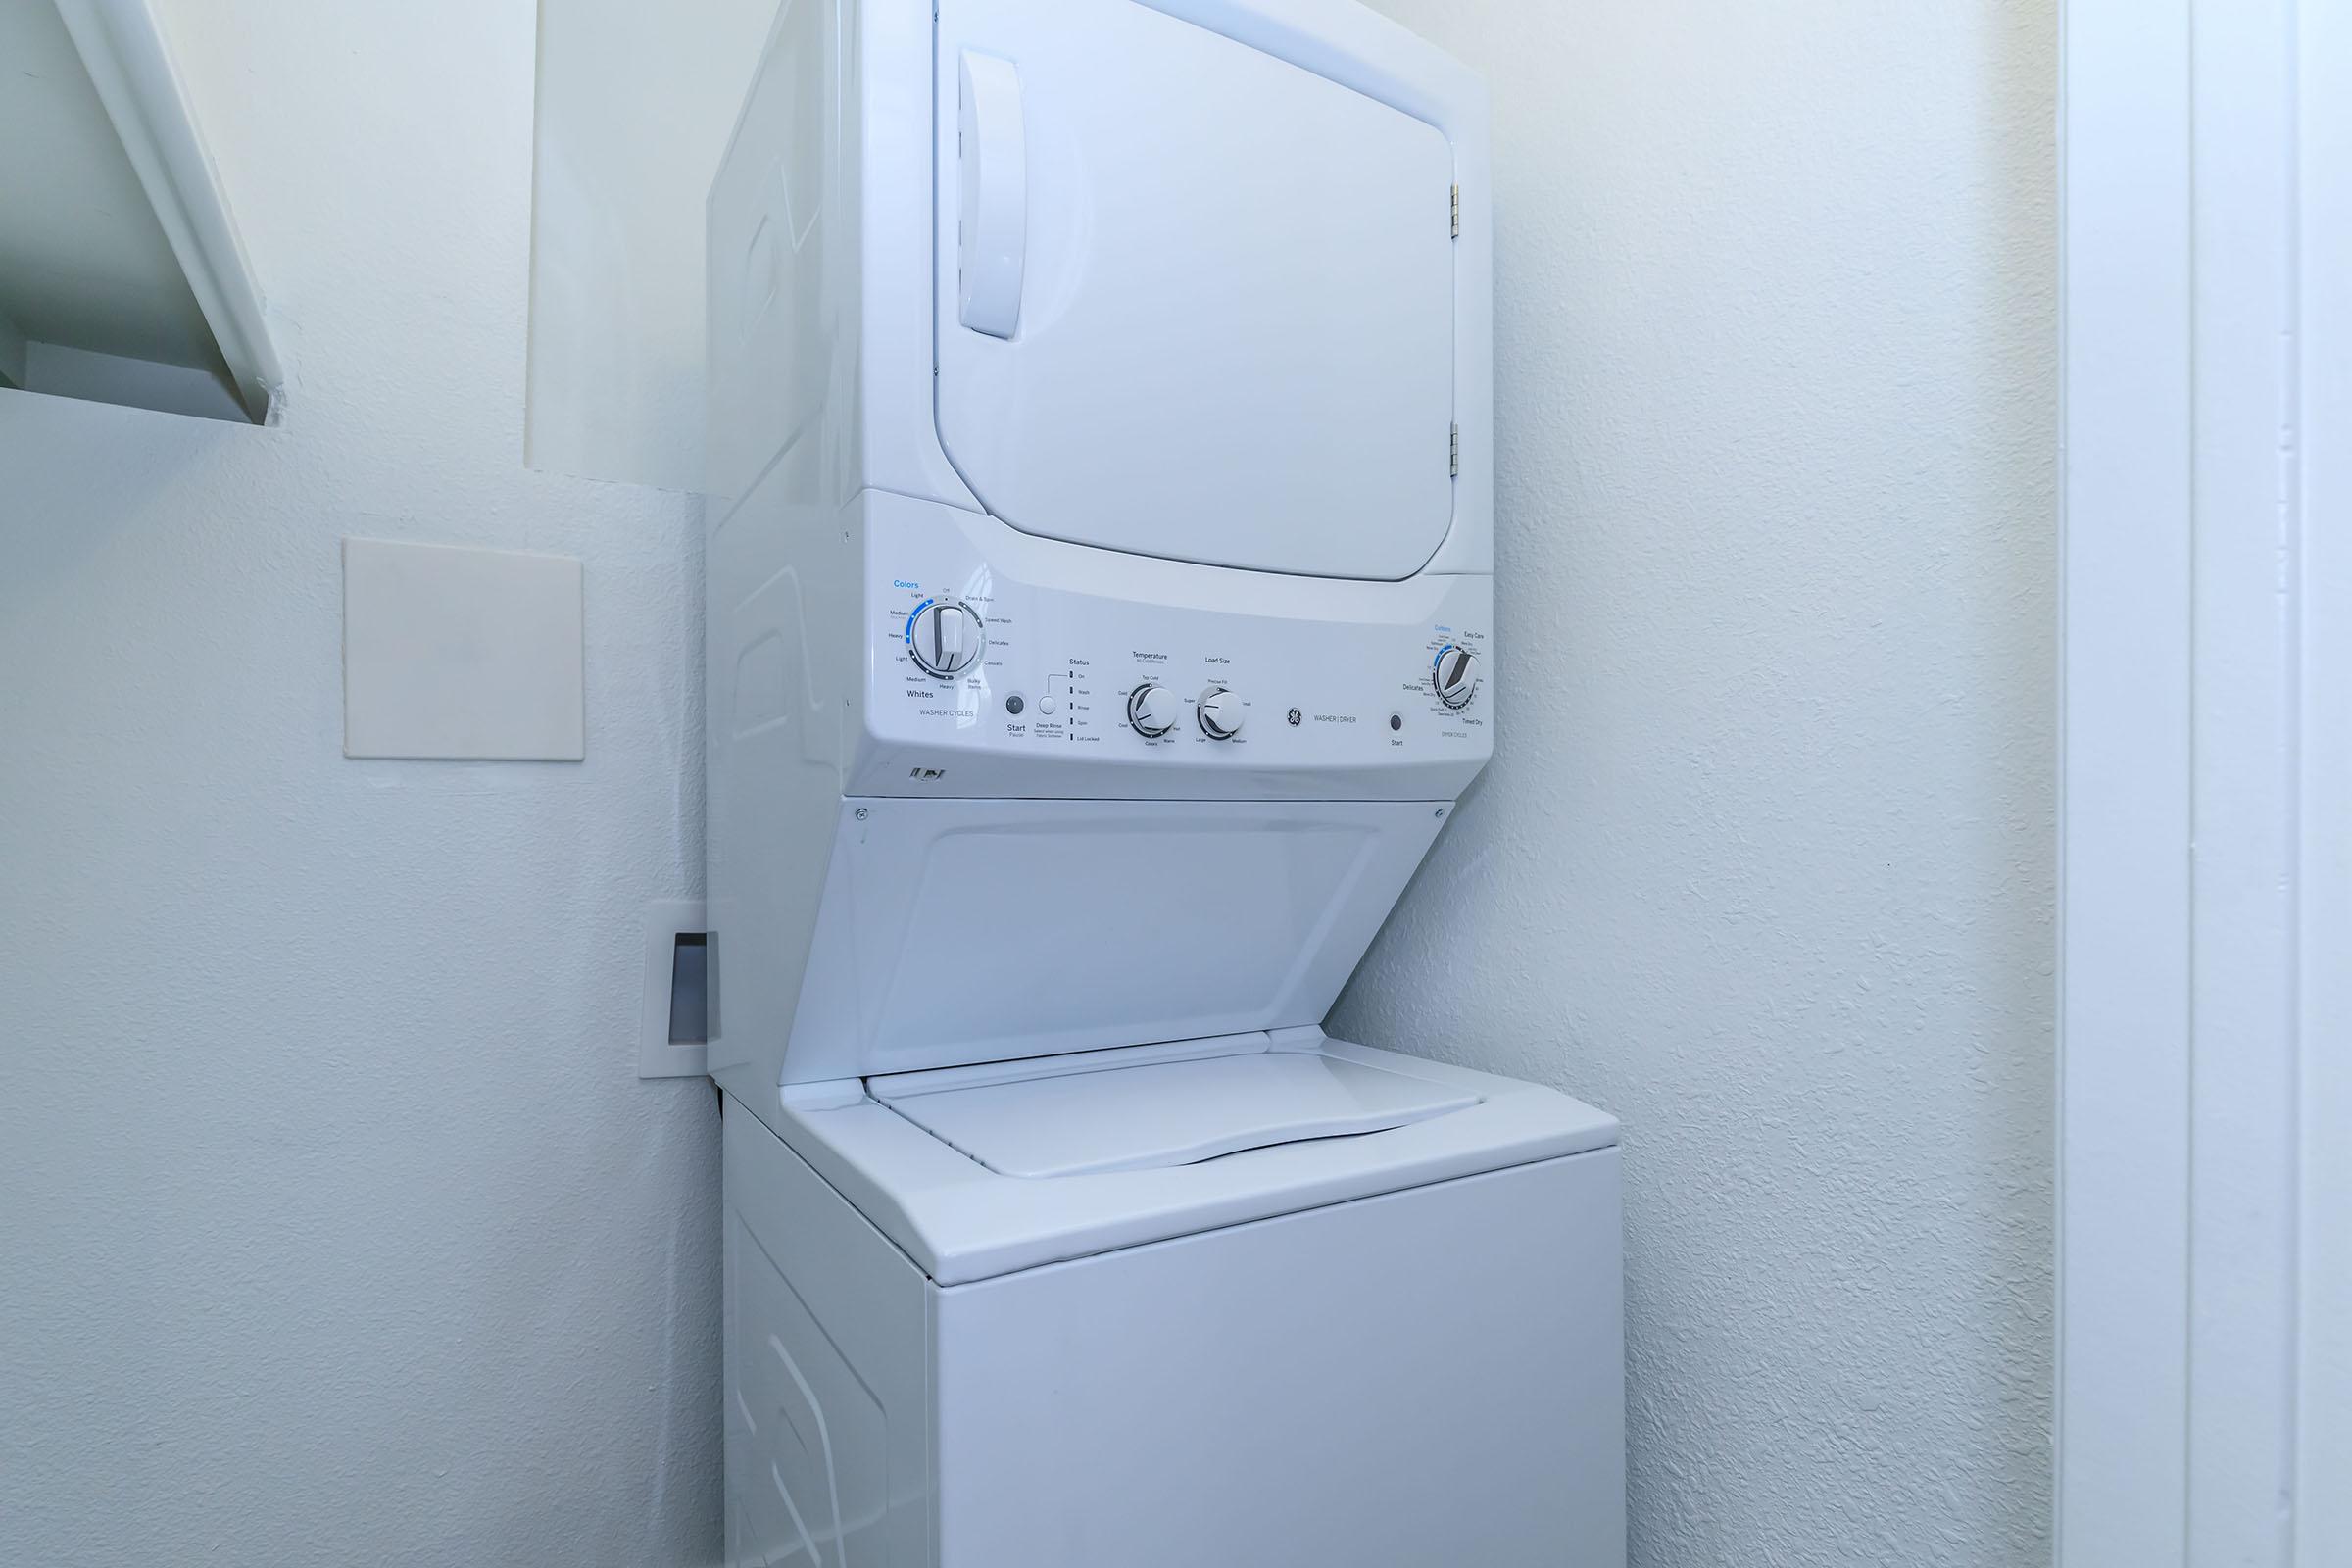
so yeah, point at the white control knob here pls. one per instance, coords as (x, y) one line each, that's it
(1154, 710)
(946, 637)
(1453, 677)
(1220, 713)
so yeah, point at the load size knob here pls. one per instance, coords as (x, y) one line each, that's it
(946, 636)
(1454, 675)
(1220, 713)
(1154, 710)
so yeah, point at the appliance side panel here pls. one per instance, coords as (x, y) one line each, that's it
(781, 671)
(827, 1421)
(782, 681)
(1430, 1376)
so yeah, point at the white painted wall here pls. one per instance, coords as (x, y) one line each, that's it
(334, 1223)
(635, 104)
(1764, 861)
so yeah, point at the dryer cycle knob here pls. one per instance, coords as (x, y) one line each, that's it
(1220, 713)
(1154, 710)
(1454, 675)
(946, 636)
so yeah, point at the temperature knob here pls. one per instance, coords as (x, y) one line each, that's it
(1220, 713)
(946, 636)
(1154, 710)
(1454, 675)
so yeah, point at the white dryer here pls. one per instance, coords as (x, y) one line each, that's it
(1099, 628)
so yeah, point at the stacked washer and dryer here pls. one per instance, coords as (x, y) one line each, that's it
(1100, 611)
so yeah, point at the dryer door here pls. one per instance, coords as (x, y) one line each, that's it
(1194, 301)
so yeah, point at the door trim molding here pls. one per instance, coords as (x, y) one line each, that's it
(2203, 924)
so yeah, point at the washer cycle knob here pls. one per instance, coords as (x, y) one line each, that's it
(1220, 713)
(1454, 675)
(946, 636)
(1154, 710)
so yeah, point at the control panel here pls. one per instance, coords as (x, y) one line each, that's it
(968, 663)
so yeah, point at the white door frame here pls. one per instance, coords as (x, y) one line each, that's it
(2205, 1195)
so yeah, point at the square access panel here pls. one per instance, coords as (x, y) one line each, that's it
(461, 654)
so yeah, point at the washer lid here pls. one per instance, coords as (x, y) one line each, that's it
(1082, 1116)
(961, 1219)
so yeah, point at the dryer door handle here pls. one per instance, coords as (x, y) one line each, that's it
(993, 234)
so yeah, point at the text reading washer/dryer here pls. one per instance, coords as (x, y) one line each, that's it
(1100, 605)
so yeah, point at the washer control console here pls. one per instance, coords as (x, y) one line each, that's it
(981, 683)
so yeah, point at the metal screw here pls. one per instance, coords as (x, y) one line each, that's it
(862, 813)
(1440, 811)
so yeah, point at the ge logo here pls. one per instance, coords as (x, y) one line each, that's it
(1296, 717)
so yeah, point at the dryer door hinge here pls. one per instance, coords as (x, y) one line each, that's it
(1457, 212)
(1453, 454)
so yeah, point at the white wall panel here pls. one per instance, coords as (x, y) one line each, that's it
(633, 108)
(1763, 861)
(336, 1225)
(2203, 1289)
(2323, 1406)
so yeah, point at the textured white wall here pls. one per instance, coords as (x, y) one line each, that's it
(635, 104)
(1765, 859)
(334, 1224)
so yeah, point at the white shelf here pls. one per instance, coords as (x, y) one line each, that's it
(122, 250)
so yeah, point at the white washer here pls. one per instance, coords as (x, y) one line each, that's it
(992, 1317)
(1098, 621)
